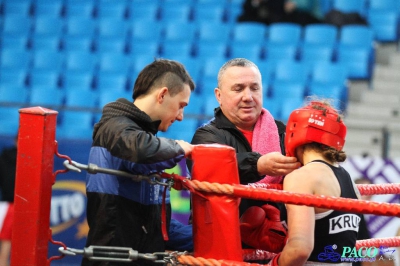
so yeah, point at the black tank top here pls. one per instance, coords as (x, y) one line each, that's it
(334, 230)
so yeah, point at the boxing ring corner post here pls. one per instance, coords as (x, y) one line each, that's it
(33, 186)
(216, 217)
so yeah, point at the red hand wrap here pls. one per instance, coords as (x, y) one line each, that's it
(260, 227)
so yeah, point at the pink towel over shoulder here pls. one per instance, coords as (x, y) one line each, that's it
(266, 140)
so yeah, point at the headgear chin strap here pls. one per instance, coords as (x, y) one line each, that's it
(306, 125)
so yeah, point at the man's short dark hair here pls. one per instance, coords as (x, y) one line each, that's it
(162, 73)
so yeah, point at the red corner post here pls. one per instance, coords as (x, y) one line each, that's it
(216, 233)
(34, 180)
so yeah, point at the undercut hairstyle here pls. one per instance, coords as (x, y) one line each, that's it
(240, 62)
(162, 73)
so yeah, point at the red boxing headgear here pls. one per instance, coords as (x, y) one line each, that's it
(306, 125)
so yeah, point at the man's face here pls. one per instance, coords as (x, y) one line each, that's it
(240, 96)
(172, 108)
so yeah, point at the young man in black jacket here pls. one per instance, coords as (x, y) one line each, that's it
(122, 212)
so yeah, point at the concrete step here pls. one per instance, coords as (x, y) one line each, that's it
(374, 112)
(377, 98)
(387, 73)
(394, 60)
(386, 86)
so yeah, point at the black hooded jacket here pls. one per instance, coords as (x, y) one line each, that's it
(122, 212)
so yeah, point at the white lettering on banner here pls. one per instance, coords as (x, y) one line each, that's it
(343, 223)
(66, 207)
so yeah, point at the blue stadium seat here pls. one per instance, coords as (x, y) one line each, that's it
(13, 76)
(81, 99)
(48, 8)
(45, 41)
(287, 90)
(287, 107)
(347, 6)
(77, 42)
(284, 33)
(275, 53)
(383, 4)
(74, 132)
(143, 10)
(385, 24)
(175, 12)
(111, 9)
(146, 30)
(210, 12)
(170, 48)
(114, 62)
(105, 44)
(251, 32)
(211, 67)
(332, 76)
(79, 79)
(210, 103)
(195, 106)
(10, 120)
(358, 61)
(80, 26)
(47, 59)
(267, 70)
(179, 31)
(17, 24)
(13, 41)
(148, 47)
(358, 35)
(75, 125)
(320, 34)
(43, 78)
(291, 71)
(48, 25)
(111, 81)
(15, 58)
(81, 61)
(210, 49)
(355, 48)
(272, 105)
(183, 130)
(232, 12)
(213, 32)
(13, 94)
(77, 118)
(140, 61)
(311, 53)
(14, 7)
(251, 51)
(112, 27)
(46, 97)
(81, 9)
(329, 73)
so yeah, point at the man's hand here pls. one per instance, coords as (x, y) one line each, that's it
(276, 164)
(186, 146)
